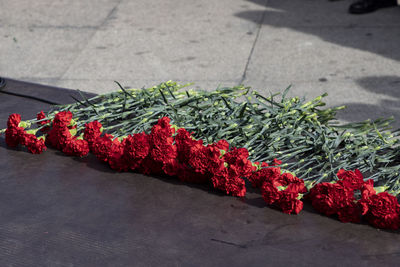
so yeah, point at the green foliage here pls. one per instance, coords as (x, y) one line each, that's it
(301, 134)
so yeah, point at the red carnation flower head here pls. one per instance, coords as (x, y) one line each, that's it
(171, 167)
(184, 142)
(164, 122)
(214, 161)
(235, 186)
(238, 157)
(383, 211)
(256, 178)
(236, 154)
(32, 143)
(329, 198)
(13, 120)
(164, 126)
(367, 190)
(76, 147)
(163, 152)
(115, 157)
(245, 167)
(352, 180)
(270, 174)
(136, 148)
(62, 119)
(37, 146)
(102, 147)
(13, 136)
(289, 203)
(198, 159)
(25, 138)
(220, 178)
(221, 144)
(295, 185)
(92, 131)
(270, 193)
(58, 137)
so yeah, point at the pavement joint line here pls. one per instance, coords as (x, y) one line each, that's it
(259, 26)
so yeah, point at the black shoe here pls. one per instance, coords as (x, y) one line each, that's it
(367, 6)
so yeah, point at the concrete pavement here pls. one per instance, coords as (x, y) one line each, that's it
(314, 45)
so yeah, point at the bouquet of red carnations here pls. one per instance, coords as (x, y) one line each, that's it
(210, 137)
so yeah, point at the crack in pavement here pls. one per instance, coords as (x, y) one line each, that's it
(254, 44)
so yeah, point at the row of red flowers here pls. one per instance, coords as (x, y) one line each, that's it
(174, 152)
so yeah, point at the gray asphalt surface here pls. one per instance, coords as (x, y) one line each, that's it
(315, 45)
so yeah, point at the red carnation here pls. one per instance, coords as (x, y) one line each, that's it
(76, 147)
(349, 179)
(383, 211)
(171, 167)
(92, 131)
(289, 203)
(198, 159)
(236, 186)
(115, 156)
(214, 161)
(163, 152)
(136, 148)
(329, 198)
(220, 178)
(236, 154)
(13, 120)
(37, 146)
(295, 185)
(221, 144)
(184, 142)
(238, 157)
(33, 144)
(367, 190)
(58, 137)
(62, 119)
(13, 136)
(161, 140)
(164, 123)
(102, 147)
(270, 193)
(258, 178)
(205, 159)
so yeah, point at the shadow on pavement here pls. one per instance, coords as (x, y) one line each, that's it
(374, 32)
(387, 87)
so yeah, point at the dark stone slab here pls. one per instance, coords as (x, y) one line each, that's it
(62, 211)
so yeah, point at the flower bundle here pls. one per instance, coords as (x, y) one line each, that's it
(16, 135)
(210, 137)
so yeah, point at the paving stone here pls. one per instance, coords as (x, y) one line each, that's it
(39, 53)
(55, 13)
